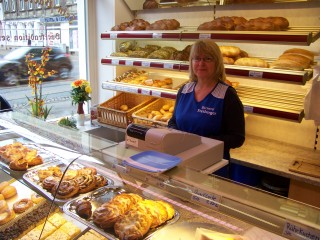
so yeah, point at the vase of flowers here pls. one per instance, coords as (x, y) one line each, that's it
(80, 94)
(38, 73)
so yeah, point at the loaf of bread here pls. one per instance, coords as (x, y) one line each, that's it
(252, 62)
(300, 51)
(164, 24)
(228, 60)
(149, 4)
(230, 51)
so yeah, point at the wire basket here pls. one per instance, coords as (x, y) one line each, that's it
(109, 112)
(141, 116)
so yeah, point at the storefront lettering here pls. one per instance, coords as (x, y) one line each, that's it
(32, 37)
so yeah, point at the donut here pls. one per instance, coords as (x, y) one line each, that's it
(22, 205)
(6, 216)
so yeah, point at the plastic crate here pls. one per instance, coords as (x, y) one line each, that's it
(141, 116)
(109, 112)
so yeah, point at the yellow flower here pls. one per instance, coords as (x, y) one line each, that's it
(88, 89)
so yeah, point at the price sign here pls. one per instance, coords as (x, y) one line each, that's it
(157, 35)
(129, 63)
(115, 61)
(297, 231)
(255, 74)
(204, 36)
(156, 93)
(145, 91)
(113, 35)
(168, 65)
(145, 64)
(209, 199)
(248, 109)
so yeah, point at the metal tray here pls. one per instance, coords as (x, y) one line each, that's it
(97, 198)
(47, 156)
(32, 178)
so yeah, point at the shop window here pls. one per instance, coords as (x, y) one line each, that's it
(13, 6)
(6, 5)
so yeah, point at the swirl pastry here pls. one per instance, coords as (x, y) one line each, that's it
(67, 189)
(22, 205)
(84, 208)
(100, 181)
(49, 182)
(86, 183)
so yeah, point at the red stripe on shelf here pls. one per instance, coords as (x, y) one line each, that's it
(168, 95)
(276, 113)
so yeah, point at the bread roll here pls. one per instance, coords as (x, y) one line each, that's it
(228, 60)
(252, 62)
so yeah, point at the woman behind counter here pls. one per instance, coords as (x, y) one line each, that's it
(207, 106)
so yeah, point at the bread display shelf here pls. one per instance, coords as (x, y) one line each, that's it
(304, 35)
(253, 72)
(271, 102)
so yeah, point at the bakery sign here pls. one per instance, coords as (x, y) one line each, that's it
(298, 231)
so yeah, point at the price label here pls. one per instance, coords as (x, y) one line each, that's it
(157, 35)
(248, 109)
(132, 90)
(154, 181)
(129, 63)
(145, 64)
(115, 61)
(145, 91)
(156, 93)
(113, 35)
(255, 74)
(168, 65)
(208, 199)
(297, 231)
(204, 36)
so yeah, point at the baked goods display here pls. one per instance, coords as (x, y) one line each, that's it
(230, 23)
(141, 77)
(163, 114)
(20, 157)
(131, 49)
(140, 24)
(77, 179)
(297, 59)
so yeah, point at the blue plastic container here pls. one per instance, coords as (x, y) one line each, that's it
(245, 175)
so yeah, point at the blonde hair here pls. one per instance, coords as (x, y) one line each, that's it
(210, 49)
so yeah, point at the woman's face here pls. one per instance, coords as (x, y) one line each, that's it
(203, 66)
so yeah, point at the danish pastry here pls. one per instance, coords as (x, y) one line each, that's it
(19, 165)
(22, 205)
(100, 181)
(66, 189)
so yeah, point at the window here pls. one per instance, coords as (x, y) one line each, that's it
(21, 5)
(30, 4)
(13, 6)
(56, 3)
(6, 5)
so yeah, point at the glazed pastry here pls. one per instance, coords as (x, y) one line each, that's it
(6, 216)
(49, 182)
(86, 183)
(36, 198)
(87, 170)
(100, 181)
(37, 160)
(133, 225)
(9, 191)
(3, 206)
(84, 209)
(44, 173)
(19, 165)
(106, 215)
(22, 205)
(70, 174)
(169, 208)
(67, 189)
(3, 185)
(157, 212)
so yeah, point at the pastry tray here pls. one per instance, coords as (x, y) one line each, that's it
(32, 178)
(47, 156)
(97, 198)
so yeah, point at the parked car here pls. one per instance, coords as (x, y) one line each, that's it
(13, 68)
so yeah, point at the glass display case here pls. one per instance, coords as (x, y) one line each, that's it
(198, 200)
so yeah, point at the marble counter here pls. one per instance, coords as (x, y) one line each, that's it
(275, 157)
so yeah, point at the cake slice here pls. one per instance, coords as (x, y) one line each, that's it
(206, 234)
(58, 235)
(57, 220)
(71, 229)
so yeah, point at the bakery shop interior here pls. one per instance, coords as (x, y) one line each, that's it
(202, 123)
